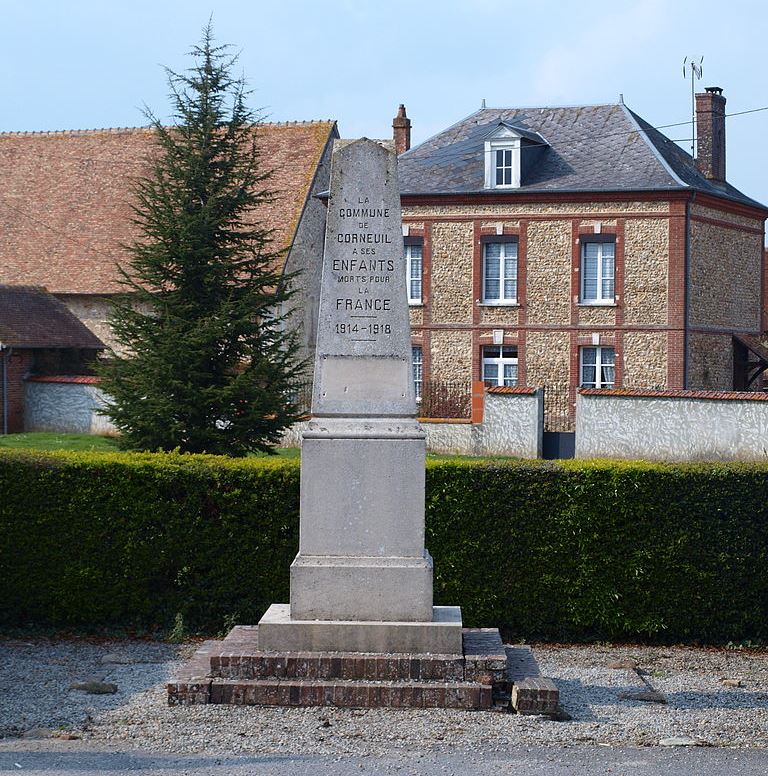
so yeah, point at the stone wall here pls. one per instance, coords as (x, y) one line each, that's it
(451, 274)
(67, 405)
(549, 272)
(512, 425)
(710, 362)
(450, 356)
(725, 272)
(646, 259)
(672, 425)
(93, 311)
(645, 359)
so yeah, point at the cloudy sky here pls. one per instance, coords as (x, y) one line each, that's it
(85, 64)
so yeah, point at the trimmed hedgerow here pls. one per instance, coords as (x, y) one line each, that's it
(569, 550)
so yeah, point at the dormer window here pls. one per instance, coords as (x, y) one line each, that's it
(502, 159)
(504, 165)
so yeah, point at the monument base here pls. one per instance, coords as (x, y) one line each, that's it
(278, 632)
(483, 675)
(362, 588)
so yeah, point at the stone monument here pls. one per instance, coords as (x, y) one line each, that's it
(362, 579)
(360, 629)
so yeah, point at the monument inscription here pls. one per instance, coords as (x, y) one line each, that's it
(363, 345)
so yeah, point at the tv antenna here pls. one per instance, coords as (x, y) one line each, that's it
(696, 71)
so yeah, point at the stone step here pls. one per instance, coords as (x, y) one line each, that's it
(337, 665)
(530, 692)
(340, 693)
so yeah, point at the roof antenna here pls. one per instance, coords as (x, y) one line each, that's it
(696, 73)
(482, 104)
(621, 98)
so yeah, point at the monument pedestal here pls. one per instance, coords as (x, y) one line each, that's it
(439, 635)
(360, 629)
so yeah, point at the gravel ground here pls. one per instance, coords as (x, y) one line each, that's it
(37, 701)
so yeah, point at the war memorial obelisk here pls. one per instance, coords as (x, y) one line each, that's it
(362, 580)
(360, 629)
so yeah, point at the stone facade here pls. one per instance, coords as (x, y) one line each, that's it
(451, 355)
(710, 361)
(548, 258)
(549, 325)
(725, 275)
(646, 259)
(645, 359)
(451, 279)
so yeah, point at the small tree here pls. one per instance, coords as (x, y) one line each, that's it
(207, 364)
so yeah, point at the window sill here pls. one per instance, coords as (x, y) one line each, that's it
(498, 304)
(597, 304)
(415, 304)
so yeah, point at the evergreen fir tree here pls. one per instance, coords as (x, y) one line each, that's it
(208, 365)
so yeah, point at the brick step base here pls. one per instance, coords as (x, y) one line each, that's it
(234, 671)
(350, 694)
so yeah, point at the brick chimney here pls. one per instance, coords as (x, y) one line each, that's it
(710, 133)
(401, 131)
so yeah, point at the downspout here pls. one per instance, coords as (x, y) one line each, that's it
(687, 284)
(6, 352)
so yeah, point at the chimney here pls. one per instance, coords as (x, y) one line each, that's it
(401, 131)
(710, 133)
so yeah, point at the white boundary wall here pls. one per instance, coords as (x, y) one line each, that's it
(65, 406)
(672, 425)
(512, 424)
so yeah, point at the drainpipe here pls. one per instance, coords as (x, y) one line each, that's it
(5, 351)
(686, 293)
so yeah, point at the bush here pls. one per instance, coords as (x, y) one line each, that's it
(570, 550)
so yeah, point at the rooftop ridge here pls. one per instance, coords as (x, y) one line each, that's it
(119, 130)
(549, 107)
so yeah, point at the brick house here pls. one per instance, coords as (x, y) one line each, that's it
(579, 246)
(38, 336)
(65, 209)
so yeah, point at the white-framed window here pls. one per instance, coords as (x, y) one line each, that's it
(417, 366)
(500, 365)
(502, 158)
(598, 266)
(500, 273)
(503, 166)
(598, 367)
(413, 271)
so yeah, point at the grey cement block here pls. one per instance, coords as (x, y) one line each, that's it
(362, 496)
(343, 588)
(442, 635)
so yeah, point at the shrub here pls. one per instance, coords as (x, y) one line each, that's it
(572, 550)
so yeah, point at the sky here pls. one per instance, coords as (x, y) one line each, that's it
(84, 64)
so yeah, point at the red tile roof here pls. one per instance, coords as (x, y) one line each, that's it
(65, 199)
(32, 318)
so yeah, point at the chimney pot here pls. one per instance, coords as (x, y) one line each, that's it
(710, 133)
(401, 131)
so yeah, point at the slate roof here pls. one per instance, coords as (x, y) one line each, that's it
(32, 318)
(597, 148)
(65, 198)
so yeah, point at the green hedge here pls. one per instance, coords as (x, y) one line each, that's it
(570, 550)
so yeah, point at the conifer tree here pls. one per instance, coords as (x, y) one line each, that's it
(206, 363)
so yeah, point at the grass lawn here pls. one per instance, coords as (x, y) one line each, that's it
(52, 441)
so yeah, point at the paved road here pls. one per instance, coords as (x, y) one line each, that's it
(81, 759)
